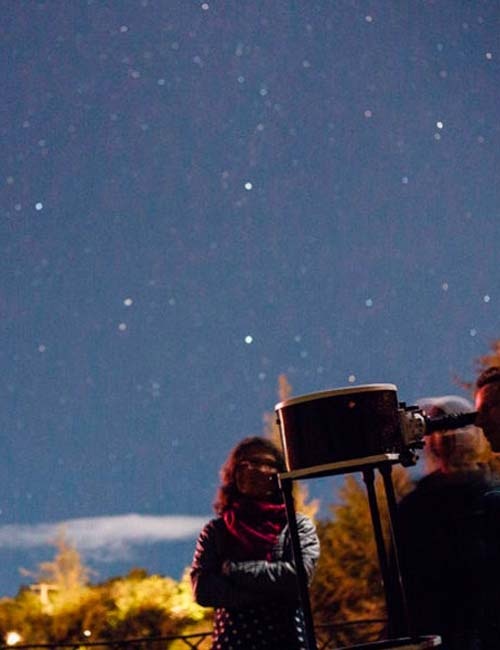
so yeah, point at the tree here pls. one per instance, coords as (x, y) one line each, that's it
(347, 585)
(272, 431)
(66, 572)
(491, 358)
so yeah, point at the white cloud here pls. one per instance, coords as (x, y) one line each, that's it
(105, 538)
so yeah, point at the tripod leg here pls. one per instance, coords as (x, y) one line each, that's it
(402, 622)
(369, 479)
(286, 486)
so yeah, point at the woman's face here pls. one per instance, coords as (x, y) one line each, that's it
(256, 473)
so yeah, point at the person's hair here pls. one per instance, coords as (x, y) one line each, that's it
(489, 376)
(227, 491)
(453, 450)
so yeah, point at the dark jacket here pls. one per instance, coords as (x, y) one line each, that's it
(256, 602)
(449, 546)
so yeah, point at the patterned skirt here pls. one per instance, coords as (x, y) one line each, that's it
(271, 627)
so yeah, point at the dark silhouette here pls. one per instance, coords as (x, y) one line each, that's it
(449, 540)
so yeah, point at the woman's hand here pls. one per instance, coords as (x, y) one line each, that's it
(226, 568)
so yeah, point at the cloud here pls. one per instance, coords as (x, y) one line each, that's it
(104, 538)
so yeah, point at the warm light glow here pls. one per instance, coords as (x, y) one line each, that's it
(11, 638)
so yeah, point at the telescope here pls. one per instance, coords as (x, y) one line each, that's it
(346, 424)
(360, 428)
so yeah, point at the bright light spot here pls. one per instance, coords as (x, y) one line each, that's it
(439, 125)
(486, 298)
(127, 302)
(369, 302)
(405, 180)
(124, 29)
(473, 331)
(368, 113)
(248, 339)
(205, 6)
(489, 56)
(248, 186)
(351, 379)
(161, 82)
(122, 327)
(369, 19)
(39, 206)
(445, 286)
(11, 638)
(41, 348)
(87, 633)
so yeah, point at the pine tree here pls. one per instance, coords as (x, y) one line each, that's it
(347, 586)
(66, 571)
(491, 358)
(272, 431)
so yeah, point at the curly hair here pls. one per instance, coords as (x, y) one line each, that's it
(227, 491)
(489, 376)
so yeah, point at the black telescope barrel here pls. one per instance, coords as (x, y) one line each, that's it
(447, 422)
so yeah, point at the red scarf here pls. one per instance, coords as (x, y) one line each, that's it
(254, 527)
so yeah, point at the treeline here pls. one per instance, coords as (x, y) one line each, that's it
(60, 608)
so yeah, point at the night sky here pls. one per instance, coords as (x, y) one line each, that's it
(199, 196)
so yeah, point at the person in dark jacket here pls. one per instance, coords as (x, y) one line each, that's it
(449, 532)
(243, 562)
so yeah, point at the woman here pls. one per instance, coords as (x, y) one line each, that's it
(243, 563)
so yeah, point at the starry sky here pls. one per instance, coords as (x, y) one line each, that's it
(199, 196)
